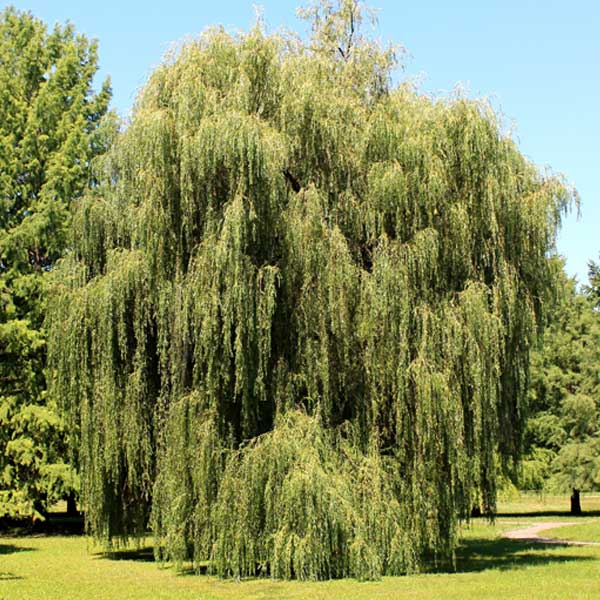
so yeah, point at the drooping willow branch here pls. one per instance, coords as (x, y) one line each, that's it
(294, 327)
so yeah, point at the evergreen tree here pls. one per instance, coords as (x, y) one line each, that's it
(50, 129)
(563, 431)
(294, 329)
(592, 289)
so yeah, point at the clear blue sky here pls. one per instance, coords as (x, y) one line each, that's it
(539, 61)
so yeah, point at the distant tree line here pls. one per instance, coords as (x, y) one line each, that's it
(562, 440)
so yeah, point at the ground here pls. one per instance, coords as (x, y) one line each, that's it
(488, 566)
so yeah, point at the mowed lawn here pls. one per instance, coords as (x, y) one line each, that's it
(66, 568)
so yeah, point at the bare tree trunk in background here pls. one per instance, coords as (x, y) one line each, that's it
(72, 505)
(575, 503)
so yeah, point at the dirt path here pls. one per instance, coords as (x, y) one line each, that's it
(531, 534)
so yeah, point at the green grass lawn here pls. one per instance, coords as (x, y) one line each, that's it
(583, 533)
(66, 568)
(545, 505)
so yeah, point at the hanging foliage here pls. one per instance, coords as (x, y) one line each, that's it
(294, 327)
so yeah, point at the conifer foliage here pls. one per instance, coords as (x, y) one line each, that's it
(52, 125)
(294, 328)
(562, 438)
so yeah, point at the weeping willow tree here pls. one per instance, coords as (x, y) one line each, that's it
(293, 330)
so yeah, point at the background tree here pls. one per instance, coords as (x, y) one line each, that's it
(592, 289)
(294, 329)
(562, 439)
(50, 129)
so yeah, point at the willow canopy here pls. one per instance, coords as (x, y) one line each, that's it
(293, 330)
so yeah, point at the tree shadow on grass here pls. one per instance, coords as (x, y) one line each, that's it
(56, 523)
(139, 555)
(6, 576)
(12, 549)
(480, 554)
(197, 570)
(473, 555)
(146, 554)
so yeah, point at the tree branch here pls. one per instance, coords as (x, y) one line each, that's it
(292, 181)
(346, 55)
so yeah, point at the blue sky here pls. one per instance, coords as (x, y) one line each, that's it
(538, 62)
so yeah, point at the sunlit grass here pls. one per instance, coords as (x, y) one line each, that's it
(588, 532)
(488, 566)
(532, 502)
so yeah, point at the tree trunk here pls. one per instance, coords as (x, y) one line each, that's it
(40, 507)
(575, 503)
(72, 505)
